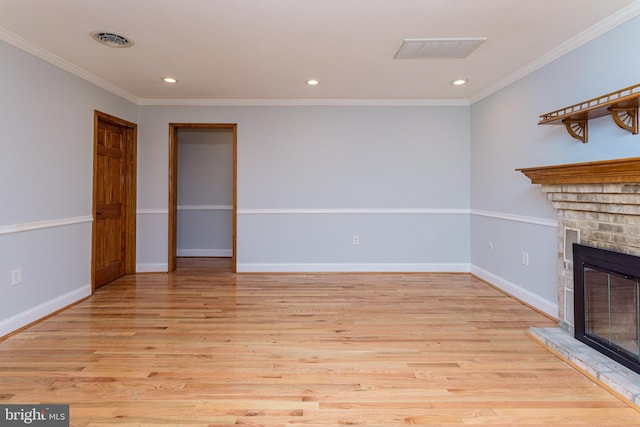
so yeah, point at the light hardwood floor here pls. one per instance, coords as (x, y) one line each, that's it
(205, 347)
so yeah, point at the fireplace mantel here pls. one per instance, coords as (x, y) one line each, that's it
(601, 172)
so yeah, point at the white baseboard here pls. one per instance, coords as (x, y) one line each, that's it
(40, 311)
(353, 268)
(152, 268)
(205, 252)
(517, 291)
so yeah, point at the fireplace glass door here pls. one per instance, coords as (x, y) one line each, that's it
(611, 310)
(607, 303)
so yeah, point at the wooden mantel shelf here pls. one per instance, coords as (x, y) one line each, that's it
(621, 105)
(601, 172)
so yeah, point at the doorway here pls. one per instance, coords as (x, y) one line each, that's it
(114, 199)
(174, 132)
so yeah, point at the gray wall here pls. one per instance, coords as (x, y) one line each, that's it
(507, 209)
(205, 192)
(46, 173)
(309, 178)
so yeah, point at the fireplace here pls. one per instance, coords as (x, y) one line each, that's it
(598, 206)
(606, 303)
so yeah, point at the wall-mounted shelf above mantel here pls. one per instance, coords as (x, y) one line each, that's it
(621, 105)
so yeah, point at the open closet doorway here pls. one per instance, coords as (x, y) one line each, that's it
(202, 191)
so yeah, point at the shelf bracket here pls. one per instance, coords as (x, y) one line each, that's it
(626, 118)
(577, 128)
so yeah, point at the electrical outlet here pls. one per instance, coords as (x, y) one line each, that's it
(16, 277)
(525, 258)
(356, 239)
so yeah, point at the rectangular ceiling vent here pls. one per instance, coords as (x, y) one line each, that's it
(438, 48)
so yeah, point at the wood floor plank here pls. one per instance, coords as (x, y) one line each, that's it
(205, 347)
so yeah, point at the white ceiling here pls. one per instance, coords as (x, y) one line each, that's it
(267, 49)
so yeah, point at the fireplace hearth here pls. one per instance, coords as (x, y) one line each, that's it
(607, 303)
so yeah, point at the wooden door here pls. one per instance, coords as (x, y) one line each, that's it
(112, 199)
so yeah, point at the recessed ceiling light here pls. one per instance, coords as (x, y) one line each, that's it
(459, 82)
(313, 82)
(169, 80)
(112, 39)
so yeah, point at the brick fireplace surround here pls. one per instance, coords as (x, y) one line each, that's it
(598, 204)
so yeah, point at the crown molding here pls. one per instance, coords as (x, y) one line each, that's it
(573, 43)
(306, 102)
(22, 44)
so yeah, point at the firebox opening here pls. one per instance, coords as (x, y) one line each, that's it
(607, 303)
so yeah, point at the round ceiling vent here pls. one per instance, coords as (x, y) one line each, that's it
(112, 39)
